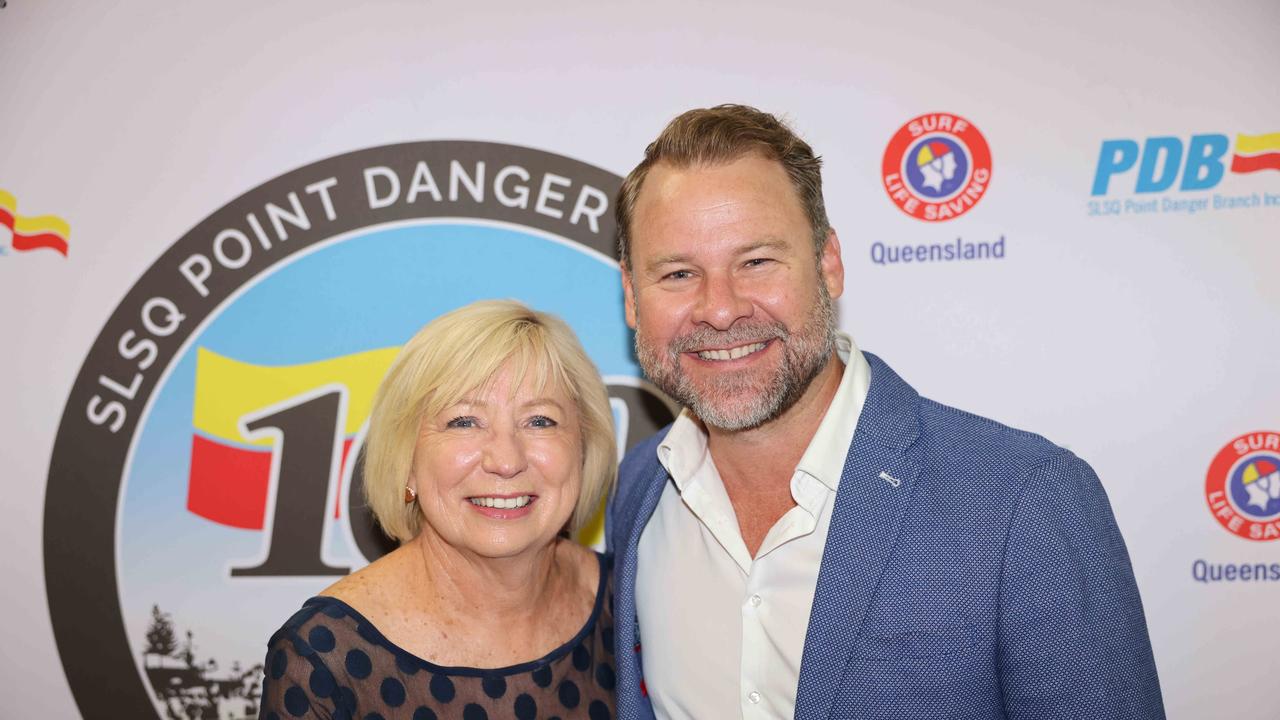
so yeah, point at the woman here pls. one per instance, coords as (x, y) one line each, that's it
(489, 439)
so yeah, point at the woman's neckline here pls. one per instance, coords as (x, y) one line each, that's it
(369, 631)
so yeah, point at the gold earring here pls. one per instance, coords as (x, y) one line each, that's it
(409, 494)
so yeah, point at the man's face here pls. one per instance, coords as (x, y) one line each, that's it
(733, 316)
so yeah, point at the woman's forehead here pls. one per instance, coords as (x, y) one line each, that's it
(511, 386)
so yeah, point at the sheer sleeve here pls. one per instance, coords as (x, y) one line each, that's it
(296, 682)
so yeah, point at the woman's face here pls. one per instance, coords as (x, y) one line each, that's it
(499, 472)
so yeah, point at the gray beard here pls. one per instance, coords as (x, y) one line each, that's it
(742, 401)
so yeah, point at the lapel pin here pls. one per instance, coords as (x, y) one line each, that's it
(890, 479)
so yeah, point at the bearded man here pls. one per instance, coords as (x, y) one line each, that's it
(811, 538)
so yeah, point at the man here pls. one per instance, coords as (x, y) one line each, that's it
(811, 538)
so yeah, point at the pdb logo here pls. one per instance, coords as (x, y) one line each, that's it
(1199, 163)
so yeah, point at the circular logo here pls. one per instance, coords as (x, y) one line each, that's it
(1242, 486)
(936, 167)
(206, 474)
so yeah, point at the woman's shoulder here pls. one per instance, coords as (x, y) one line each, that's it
(371, 587)
(320, 624)
(341, 608)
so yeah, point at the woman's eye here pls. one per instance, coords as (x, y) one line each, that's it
(542, 421)
(463, 421)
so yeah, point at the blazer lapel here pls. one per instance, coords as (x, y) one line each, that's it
(633, 702)
(875, 491)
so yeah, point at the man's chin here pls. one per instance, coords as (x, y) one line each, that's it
(731, 414)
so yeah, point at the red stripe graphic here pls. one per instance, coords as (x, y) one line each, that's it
(1254, 163)
(228, 485)
(23, 243)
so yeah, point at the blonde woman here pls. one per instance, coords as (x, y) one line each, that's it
(490, 440)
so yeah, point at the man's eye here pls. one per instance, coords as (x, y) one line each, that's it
(757, 262)
(678, 275)
(542, 421)
(462, 421)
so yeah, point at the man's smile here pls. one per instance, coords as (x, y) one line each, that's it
(732, 353)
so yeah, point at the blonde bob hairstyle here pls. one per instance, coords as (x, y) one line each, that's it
(458, 353)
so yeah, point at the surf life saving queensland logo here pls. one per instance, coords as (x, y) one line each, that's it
(1242, 486)
(206, 475)
(1210, 172)
(936, 167)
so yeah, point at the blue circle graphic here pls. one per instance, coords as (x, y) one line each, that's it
(1260, 498)
(936, 166)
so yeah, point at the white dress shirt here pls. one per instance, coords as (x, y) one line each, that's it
(722, 633)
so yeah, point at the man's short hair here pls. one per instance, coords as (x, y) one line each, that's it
(710, 136)
(458, 353)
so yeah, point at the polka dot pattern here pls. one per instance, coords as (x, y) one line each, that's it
(526, 707)
(278, 664)
(359, 666)
(321, 682)
(329, 660)
(321, 638)
(442, 689)
(568, 693)
(494, 686)
(392, 691)
(296, 702)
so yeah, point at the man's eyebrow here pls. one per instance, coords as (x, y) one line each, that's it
(671, 259)
(766, 244)
(678, 258)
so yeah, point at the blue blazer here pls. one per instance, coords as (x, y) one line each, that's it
(971, 571)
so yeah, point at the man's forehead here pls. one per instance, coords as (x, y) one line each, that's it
(751, 190)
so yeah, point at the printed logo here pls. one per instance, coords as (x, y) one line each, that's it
(207, 474)
(936, 167)
(23, 234)
(1243, 486)
(1167, 164)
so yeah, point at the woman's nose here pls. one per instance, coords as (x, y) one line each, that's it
(504, 455)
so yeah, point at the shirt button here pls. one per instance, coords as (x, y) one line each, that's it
(754, 697)
(756, 600)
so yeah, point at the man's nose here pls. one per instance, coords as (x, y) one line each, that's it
(504, 455)
(721, 302)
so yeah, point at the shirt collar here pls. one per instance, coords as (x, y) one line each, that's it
(825, 456)
(684, 448)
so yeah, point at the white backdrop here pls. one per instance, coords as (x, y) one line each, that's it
(1145, 342)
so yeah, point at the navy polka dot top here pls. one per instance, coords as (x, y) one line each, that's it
(329, 661)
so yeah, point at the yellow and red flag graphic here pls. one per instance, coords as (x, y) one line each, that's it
(1256, 152)
(32, 233)
(230, 472)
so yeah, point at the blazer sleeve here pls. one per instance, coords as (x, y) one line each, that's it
(1072, 636)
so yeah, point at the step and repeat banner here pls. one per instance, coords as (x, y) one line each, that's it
(219, 221)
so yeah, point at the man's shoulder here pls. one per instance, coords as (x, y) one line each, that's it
(955, 436)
